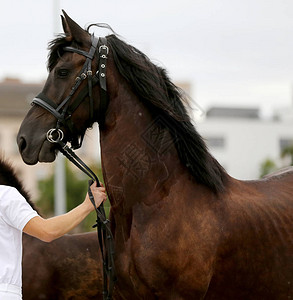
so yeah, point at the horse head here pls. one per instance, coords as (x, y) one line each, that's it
(66, 105)
(138, 99)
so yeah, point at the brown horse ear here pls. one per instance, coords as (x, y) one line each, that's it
(66, 29)
(72, 30)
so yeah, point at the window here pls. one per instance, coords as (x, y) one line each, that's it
(285, 143)
(215, 142)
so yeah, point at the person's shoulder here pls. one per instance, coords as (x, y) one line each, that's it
(6, 190)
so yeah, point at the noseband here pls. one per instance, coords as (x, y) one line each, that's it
(65, 109)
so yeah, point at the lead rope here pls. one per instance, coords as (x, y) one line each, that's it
(105, 237)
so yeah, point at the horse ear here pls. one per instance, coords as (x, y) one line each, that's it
(72, 30)
(66, 29)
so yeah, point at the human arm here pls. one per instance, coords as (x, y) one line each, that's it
(50, 229)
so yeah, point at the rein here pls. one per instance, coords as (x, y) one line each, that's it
(63, 113)
(105, 236)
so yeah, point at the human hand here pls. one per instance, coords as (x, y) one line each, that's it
(99, 194)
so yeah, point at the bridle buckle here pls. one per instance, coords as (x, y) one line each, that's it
(104, 47)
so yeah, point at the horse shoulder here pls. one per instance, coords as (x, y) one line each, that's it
(175, 245)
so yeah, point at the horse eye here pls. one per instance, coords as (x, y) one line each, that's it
(62, 73)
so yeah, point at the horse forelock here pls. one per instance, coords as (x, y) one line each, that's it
(56, 46)
(56, 50)
(8, 177)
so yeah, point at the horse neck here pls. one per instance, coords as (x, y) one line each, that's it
(139, 158)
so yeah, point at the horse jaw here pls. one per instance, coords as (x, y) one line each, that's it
(47, 152)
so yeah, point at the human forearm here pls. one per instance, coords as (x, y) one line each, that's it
(52, 228)
(60, 225)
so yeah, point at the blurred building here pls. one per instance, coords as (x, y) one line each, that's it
(241, 139)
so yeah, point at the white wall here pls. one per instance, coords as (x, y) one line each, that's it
(248, 142)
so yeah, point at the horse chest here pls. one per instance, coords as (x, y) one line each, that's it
(130, 284)
(150, 266)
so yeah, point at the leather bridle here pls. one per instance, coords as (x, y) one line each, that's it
(63, 113)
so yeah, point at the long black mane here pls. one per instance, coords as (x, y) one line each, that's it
(8, 177)
(153, 86)
(155, 89)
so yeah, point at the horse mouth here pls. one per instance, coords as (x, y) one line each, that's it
(32, 155)
(47, 152)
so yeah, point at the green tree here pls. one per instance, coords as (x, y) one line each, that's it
(268, 166)
(288, 152)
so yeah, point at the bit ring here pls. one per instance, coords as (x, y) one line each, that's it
(52, 132)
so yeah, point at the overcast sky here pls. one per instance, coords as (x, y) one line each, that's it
(234, 52)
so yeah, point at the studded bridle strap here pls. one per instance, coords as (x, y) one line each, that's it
(103, 52)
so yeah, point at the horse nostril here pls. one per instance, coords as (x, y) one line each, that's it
(21, 144)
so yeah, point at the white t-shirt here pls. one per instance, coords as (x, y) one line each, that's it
(15, 212)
